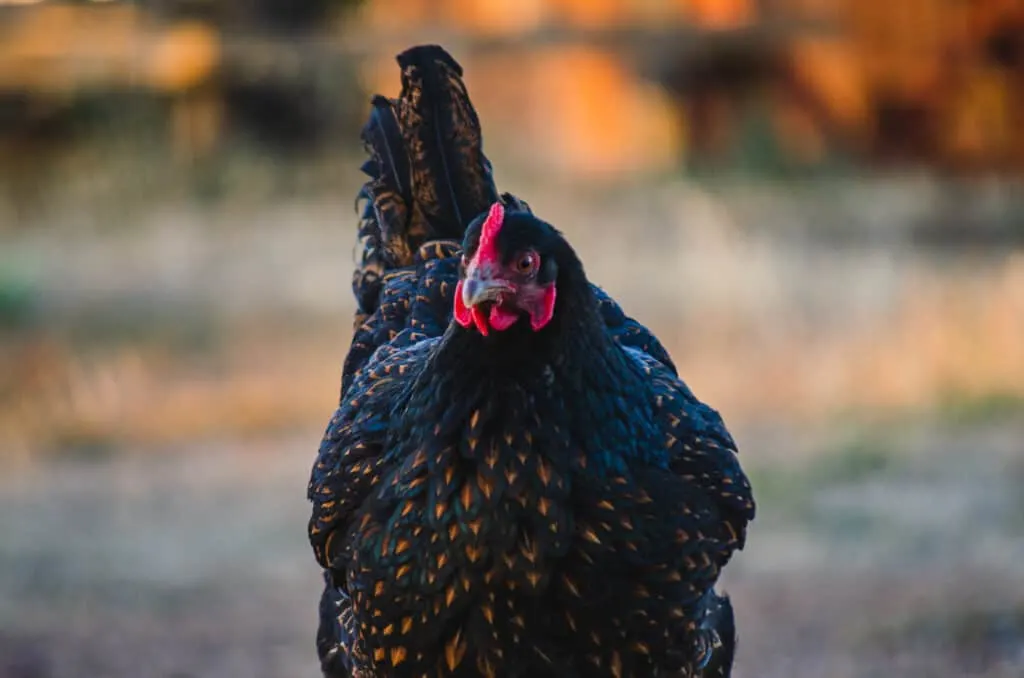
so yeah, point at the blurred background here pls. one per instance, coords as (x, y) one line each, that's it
(816, 204)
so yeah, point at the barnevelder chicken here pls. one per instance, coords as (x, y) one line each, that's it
(516, 482)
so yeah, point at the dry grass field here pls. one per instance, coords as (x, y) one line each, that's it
(165, 374)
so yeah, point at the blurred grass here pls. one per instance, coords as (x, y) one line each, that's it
(786, 488)
(114, 181)
(148, 376)
(984, 632)
(167, 377)
(972, 410)
(186, 320)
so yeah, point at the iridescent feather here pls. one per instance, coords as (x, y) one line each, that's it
(450, 546)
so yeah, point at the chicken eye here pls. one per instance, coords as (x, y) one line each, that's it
(526, 262)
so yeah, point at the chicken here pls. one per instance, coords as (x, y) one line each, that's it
(516, 481)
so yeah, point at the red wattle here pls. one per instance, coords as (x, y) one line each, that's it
(480, 319)
(461, 313)
(502, 318)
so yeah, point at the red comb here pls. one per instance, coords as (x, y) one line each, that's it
(487, 251)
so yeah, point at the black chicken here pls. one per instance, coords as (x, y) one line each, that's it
(516, 482)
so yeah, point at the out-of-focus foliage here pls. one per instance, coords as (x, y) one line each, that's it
(778, 85)
(769, 87)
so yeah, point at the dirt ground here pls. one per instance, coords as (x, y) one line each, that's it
(895, 555)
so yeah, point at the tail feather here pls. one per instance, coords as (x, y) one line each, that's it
(428, 174)
(452, 179)
(383, 136)
(385, 212)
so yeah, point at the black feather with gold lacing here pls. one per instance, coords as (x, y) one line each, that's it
(428, 174)
(373, 497)
(429, 178)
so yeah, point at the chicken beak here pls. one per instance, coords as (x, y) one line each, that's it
(477, 290)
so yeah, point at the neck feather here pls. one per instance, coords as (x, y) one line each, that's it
(571, 376)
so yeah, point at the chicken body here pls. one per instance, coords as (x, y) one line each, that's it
(547, 498)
